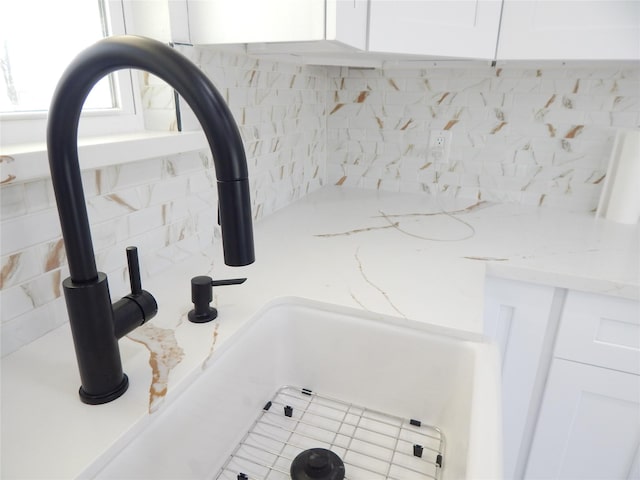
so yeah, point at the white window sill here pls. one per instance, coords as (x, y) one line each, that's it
(21, 163)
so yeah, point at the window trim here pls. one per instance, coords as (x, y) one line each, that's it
(30, 127)
(23, 163)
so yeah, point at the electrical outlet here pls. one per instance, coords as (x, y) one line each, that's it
(439, 145)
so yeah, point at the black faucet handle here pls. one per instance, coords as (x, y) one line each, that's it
(134, 270)
(136, 308)
(202, 294)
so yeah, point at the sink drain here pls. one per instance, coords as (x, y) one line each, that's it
(295, 430)
(317, 464)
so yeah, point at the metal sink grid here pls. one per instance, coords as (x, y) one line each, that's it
(373, 445)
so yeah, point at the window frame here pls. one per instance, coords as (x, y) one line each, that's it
(21, 128)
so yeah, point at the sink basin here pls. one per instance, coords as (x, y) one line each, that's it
(362, 368)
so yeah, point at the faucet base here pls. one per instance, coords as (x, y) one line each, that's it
(106, 397)
(203, 316)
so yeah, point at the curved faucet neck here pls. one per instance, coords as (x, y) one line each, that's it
(117, 53)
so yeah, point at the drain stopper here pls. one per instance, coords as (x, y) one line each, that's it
(317, 464)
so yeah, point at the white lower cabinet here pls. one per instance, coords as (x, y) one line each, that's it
(589, 425)
(517, 315)
(570, 381)
(600, 330)
(589, 421)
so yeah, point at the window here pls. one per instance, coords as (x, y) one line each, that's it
(38, 39)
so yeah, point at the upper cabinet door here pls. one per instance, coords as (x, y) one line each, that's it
(247, 21)
(277, 21)
(570, 30)
(347, 22)
(438, 28)
(163, 20)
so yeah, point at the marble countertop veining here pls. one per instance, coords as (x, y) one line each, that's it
(396, 254)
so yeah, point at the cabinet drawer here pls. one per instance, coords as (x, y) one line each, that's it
(600, 330)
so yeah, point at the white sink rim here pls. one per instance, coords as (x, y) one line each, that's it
(481, 412)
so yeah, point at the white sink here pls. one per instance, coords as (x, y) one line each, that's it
(408, 369)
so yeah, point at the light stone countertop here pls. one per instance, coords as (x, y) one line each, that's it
(390, 253)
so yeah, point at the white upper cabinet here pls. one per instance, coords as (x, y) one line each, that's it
(435, 28)
(275, 21)
(450, 29)
(163, 20)
(346, 22)
(570, 30)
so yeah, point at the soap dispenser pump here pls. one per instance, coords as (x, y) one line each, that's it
(202, 294)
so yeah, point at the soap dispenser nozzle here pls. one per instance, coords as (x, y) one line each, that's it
(202, 294)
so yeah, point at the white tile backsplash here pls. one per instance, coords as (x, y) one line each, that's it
(539, 136)
(166, 206)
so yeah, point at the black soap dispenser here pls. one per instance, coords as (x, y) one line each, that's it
(202, 294)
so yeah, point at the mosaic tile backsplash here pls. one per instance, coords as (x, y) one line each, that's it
(534, 136)
(165, 206)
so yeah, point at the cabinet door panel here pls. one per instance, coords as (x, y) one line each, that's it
(600, 330)
(464, 28)
(245, 21)
(570, 29)
(517, 316)
(588, 425)
(347, 22)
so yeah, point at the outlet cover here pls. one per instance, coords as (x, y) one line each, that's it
(439, 145)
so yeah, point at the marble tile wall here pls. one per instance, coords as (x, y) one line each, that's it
(281, 113)
(165, 206)
(536, 136)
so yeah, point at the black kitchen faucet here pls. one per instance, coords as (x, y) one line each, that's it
(96, 324)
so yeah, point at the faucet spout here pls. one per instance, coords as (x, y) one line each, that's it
(86, 289)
